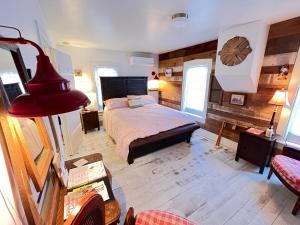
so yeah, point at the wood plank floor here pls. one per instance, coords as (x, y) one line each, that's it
(197, 181)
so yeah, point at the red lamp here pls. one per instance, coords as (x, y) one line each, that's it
(48, 92)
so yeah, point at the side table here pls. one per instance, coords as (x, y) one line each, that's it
(112, 207)
(89, 120)
(256, 149)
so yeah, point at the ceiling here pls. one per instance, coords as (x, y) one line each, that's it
(144, 25)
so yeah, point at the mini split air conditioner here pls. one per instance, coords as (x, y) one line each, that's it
(141, 61)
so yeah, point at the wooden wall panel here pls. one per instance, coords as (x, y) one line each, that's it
(204, 47)
(282, 46)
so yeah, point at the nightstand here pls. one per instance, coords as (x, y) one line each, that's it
(89, 120)
(256, 149)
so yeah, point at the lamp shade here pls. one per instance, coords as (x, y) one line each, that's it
(280, 98)
(48, 94)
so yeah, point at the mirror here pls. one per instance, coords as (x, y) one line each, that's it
(31, 132)
(36, 148)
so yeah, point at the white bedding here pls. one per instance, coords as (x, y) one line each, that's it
(125, 125)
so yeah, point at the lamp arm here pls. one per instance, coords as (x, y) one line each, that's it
(22, 41)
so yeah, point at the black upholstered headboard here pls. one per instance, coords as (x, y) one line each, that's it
(118, 87)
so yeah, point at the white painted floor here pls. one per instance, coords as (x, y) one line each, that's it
(197, 181)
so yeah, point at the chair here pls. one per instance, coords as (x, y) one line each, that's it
(90, 211)
(154, 217)
(287, 168)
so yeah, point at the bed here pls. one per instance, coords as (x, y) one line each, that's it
(132, 128)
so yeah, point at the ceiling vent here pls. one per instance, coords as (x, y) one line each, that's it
(180, 19)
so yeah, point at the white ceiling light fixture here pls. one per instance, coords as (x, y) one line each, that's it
(180, 19)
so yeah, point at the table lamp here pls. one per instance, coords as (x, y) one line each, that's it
(153, 85)
(280, 98)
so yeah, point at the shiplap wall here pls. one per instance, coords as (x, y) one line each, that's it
(282, 46)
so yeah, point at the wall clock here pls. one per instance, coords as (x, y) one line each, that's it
(235, 51)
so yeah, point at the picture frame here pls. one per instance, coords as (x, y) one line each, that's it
(238, 99)
(168, 72)
(38, 166)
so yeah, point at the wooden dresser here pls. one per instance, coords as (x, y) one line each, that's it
(256, 149)
(89, 120)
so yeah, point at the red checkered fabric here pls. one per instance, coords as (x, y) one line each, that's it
(289, 169)
(157, 217)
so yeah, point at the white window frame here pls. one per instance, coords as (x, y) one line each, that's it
(98, 84)
(186, 66)
(290, 137)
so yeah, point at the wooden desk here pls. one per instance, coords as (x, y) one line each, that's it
(112, 208)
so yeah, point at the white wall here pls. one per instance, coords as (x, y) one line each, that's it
(8, 209)
(23, 15)
(87, 59)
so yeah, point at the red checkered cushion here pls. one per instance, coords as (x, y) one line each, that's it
(157, 217)
(289, 169)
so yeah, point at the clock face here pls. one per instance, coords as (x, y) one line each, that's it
(235, 51)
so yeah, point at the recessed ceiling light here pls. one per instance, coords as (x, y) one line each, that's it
(180, 19)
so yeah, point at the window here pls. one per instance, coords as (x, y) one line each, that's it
(293, 131)
(196, 76)
(102, 72)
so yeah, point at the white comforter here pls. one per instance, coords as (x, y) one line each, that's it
(125, 125)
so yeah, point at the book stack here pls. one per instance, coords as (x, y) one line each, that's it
(255, 131)
(84, 179)
(73, 198)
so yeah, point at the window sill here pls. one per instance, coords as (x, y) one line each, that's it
(199, 119)
(293, 145)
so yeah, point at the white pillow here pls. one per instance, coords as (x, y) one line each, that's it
(135, 102)
(115, 103)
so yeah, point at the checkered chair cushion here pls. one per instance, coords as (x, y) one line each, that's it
(157, 217)
(289, 170)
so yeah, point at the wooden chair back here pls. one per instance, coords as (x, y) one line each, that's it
(130, 219)
(90, 211)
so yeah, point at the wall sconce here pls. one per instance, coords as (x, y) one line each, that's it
(78, 72)
(283, 72)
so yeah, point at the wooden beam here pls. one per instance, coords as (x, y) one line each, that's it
(284, 28)
(179, 74)
(204, 47)
(170, 101)
(284, 44)
(273, 69)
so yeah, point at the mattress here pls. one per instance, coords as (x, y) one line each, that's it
(125, 125)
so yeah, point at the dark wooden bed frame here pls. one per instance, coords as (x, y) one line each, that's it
(118, 87)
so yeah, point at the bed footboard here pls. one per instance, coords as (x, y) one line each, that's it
(144, 146)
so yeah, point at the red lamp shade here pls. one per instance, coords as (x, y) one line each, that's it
(48, 94)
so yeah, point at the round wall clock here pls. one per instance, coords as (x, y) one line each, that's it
(235, 51)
